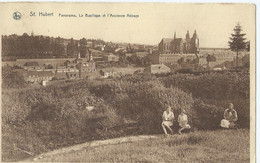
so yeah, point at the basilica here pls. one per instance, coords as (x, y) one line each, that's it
(179, 45)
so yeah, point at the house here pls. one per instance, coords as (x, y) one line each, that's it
(165, 58)
(38, 76)
(99, 47)
(31, 66)
(141, 54)
(111, 58)
(157, 69)
(78, 68)
(129, 54)
(90, 44)
(98, 60)
(118, 50)
(107, 72)
(110, 47)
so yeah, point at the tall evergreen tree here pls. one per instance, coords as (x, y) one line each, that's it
(237, 41)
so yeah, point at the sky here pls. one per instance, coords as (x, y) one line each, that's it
(214, 23)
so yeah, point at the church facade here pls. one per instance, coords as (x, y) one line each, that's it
(179, 45)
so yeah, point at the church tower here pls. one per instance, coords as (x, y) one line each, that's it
(194, 43)
(188, 36)
(187, 43)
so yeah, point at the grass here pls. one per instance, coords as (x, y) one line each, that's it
(200, 146)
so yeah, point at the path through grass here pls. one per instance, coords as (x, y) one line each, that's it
(201, 146)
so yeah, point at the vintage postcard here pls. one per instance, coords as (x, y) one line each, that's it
(127, 82)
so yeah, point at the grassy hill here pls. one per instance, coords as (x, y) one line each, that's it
(200, 146)
(43, 119)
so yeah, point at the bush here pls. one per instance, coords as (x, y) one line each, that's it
(143, 102)
(55, 116)
(206, 116)
(217, 90)
(218, 86)
(39, 120)
(12, 78)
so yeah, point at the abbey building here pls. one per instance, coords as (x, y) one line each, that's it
(179, 45)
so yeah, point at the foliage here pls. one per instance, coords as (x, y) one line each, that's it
(188, 63)
(211, 58)
(56, 115)
(218, 86)
(139, 61)
(142, 102)
(30, 46)
(12, 78)
(206, 116)
(237, 41)
(83, 48)
(72, 48)
(243, 63)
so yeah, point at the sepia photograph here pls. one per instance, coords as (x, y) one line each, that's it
(128, 82)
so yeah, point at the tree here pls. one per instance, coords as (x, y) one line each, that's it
(237, 41)
(248, 46)
(181, 61)
(83, 47)
(12, 78)
(71, 48)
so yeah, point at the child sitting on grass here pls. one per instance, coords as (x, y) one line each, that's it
(183, 121)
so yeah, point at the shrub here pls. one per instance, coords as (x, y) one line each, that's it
(206, 116)
(38, 120)
(143, 102)
(217, 90)
(12, 78)
(218, 86)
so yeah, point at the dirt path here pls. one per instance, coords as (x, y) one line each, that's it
(90, 144)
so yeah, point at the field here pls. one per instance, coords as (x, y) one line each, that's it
(200, 146)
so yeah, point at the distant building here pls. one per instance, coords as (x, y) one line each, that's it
(221, 54)
(90, 44)
(80, 67)
(99, 47)
(141, 54)
(38, 76)
(169, 59)
(179, 45)
(129, 54)
(98, 60)
(111, 58)
(157, 69)
(31, 66)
